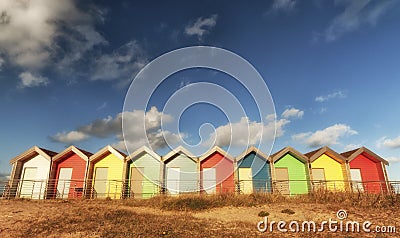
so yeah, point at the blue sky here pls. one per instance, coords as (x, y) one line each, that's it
(332, 68)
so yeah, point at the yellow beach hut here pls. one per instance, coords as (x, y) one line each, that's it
(328, 169)
(106, 173)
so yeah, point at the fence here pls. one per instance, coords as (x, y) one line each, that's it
(118, 189)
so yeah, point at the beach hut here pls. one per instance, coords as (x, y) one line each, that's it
(30, 173)
(367, 170)
(216, 172)
(180, 172)
(68, 173)
(328, 169)
(106, 172)
(143, 173)
(253, 171)
(290, 172)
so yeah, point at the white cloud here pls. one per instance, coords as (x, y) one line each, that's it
(151, 120)
(355, 14)
(246, 132)
(326, 137)
(138, 121)
(271, 117)
(292, 112)
(31, 32)
(201, 26)
(134, 122)
(69, 137)
(157, 139)
(336, 94)
(121, 64)
(351, 147)
(37, 34)
(26, 31)
(29, 80)
(393, 159)
(301, 136)
(283, 5)
(389, 143)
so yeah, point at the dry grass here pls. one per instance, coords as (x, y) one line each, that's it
(105, 219)
(352, 199)
(203, 202)
(187, 216)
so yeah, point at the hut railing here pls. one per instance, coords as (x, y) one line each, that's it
(118, 189)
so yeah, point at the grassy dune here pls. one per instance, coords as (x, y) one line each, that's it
(190, 215)
(197, 203)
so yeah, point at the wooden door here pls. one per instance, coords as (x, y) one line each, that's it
(64, 182)
(27, 184)
(173, 180)
(282, 180)
(319, 180)
(245, 180)
(209, 180)
(137, 182)
(100, 182)
(356, 180)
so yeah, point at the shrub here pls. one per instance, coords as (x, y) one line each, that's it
(263, 214)
(194, 203)
(288, 211)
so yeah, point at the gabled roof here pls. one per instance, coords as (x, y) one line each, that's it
(313, 155)
(33, 151)
(278, 155)
(252, 149)
(177, 151)
(72, 149)
(143, 150)
(105, 150)
(352, 154)
(216, 149)
(347, 154)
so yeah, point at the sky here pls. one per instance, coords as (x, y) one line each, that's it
(331, 68)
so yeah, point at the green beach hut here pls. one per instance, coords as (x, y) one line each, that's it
(143, 173)
(290, 172)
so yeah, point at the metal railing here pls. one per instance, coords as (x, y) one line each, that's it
(253, 186)
(352, 186)
(118, 189)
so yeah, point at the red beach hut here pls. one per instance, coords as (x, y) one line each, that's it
(68, 173)
(216, 172)
(367, 170)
